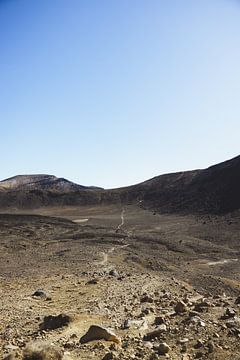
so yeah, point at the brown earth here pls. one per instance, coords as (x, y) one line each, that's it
(122, 268)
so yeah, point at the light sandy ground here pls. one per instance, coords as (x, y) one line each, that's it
(80, 220)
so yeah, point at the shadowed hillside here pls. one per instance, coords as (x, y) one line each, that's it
(215, 190)
(212, 190)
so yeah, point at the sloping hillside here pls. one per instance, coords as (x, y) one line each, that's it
(33, 191)
(212, 190)
(215, 190)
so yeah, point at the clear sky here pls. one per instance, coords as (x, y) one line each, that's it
(112, 93)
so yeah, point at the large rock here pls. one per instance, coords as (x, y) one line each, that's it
(52, 322)
(163, 348)
(155, 333)
(96, 332)
(11, 356)
(41, 351)
(108, 356)
(237, 301)
(40, 293)
(180, 307)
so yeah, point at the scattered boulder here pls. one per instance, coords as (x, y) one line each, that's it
(211, 346)
(180, 307)
(126, 324)
(92, 282)
(96, 332)
(193, 314)
(159, 320)
(185, 357)
(40, 293)
(146, 299)
(230, 312)
(183, 341)
(41, 351)
(12, 356)
(201, 323)
(201, 306)
(199, 344)
(113, 273)
(237, 301)
(52, 322)
(108, 356)
(199, 355)
(163, 348)
(155, 333)
(233, 322)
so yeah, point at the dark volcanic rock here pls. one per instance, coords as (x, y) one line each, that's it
(40, 293)
(54, 322)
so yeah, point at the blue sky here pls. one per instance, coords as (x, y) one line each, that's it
(112, 93)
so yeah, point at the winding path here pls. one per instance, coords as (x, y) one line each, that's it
(122, 219)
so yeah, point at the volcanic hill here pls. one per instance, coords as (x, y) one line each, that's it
(212, 190)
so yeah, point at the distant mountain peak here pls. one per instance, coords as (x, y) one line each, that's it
(39, 182)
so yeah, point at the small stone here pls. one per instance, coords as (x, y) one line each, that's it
(113, 347)
(126, 324)
(183, 341)
(198, 355)
(185, 357)
(155, 333)
(92, 282)
(113, 273)
(154, 356)
(108, 356)
(180, 307)
(69, 345)
(144, 312)
(193, 314)
(184, 348)
(211, 346)
(230, 312)
(40, 293)
(200, 307)
(199, 344)
(163, 348)
(146, 299)
(159, 320)
(237, 301)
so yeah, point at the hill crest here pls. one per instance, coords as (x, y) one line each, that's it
(212, 190)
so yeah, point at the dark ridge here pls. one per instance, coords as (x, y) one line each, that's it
(213, 190)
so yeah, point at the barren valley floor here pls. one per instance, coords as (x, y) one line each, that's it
(125, 269)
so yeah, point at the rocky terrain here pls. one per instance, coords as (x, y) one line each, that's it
(149, 271)
(111, 282)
